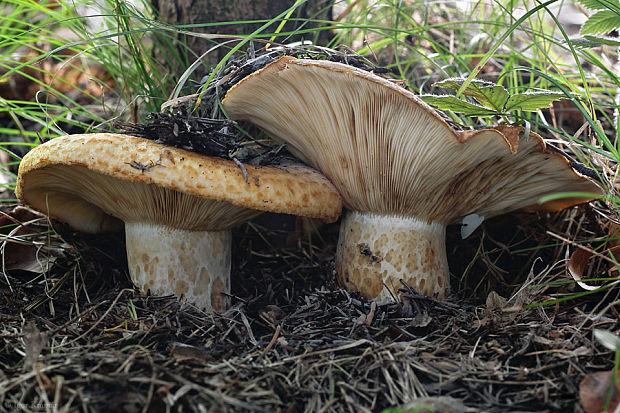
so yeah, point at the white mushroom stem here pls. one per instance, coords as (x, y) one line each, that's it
(194, 264)
(374, 250)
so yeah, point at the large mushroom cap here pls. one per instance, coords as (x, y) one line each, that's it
(398, 165)
(92, 181)
(177, 206)
(388, 152)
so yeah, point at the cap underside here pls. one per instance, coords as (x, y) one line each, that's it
(389, 153)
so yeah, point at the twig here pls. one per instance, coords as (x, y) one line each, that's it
(583, 247)
(99, 320)
(328, 350)
(346, 11)
(242, 167)
(273, 339)
(371, 314)
(149, 397)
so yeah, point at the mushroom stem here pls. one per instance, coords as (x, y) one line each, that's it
(195, 264)
(374, 250)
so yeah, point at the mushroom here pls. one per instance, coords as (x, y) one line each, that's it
(403, 172)
(177, 206)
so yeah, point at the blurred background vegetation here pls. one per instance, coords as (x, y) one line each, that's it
(70, 66)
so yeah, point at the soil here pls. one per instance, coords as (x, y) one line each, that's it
(80, 337)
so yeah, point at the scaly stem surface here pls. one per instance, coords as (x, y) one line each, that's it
(376, 251)
(192, 264)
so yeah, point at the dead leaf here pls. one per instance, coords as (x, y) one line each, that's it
(182, 352)
(271, 314)
(34, 342)
(26, 257)
(579, 259)
(495, 302)
(19, 251)
(613, 234)
(421, 320)
(593, 392)
(581, 351)
(577, 265)
(614, 251)
(17, 215)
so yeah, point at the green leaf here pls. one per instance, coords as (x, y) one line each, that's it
(494, 97)
(457, 82)
(457, 105)
(563, 195)
(590, 41)
(601, 22)
(600, 4)
(532, 101)
(606, 40)
(486, 93)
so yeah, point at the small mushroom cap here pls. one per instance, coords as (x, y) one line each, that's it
(389, 153)
(95, 181)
